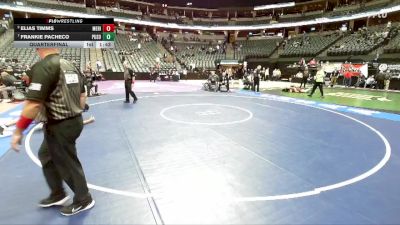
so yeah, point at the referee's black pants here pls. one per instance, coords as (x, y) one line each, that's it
(59, 158)
(256, 83)
(128, 91)
(321, 89)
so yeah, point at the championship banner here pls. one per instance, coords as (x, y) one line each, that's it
(351, 70)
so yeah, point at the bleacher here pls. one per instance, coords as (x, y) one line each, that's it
(25, 56)
(198, 54)
(139, 60)
(112, 61)
(360, 43)
(74, 55)
(257, 48)
(124, 14)
(28, 56)
(73, 7)
(394, 45)
(81, 56)
(309, 45)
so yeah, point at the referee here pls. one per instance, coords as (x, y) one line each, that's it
(57, 97)
(319, 82)
(129, 77)
(256, 80)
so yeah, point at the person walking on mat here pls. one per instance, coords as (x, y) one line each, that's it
(57, 97)
(129, 77)
(319, 82)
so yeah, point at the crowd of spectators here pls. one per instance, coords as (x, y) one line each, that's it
(12, 79)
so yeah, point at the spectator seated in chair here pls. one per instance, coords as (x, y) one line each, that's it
(212, 82)
(247, 82)
(7, 85)
(91, 86)
(370, 82)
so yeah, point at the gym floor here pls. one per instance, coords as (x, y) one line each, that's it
(184, 156)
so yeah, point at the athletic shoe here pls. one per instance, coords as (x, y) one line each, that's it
(76, 208)
(54, 200)
(126, 101)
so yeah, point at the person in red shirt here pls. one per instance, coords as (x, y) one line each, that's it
(347, 78)
(313, 62)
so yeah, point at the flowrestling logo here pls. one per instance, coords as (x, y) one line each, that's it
(379, 16)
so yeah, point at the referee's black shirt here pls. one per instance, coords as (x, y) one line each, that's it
(57, 84)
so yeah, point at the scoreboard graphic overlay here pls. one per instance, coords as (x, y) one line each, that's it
(64, 33)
